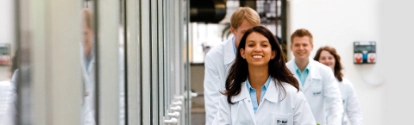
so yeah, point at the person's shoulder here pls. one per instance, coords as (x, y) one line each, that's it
(318, 64)
(321, 67)
(216, 51)
(290, 62)
(346, 82)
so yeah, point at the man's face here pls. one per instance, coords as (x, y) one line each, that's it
(239, 32)
(301, 47)
(87, 40)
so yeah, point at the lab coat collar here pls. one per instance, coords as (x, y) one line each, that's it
(314, 70)
(270, 95)
(242, 95)
(229, 55)
(87, 69)
(312, 75)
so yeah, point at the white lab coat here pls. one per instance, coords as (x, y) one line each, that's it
(88, 104)
(217, 63)
(10, 114)
(293, 109)
(350, 102)
(322, 93)
(6, 102)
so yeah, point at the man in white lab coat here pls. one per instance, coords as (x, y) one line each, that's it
(317, 81)
(88, 70)
(219, 59)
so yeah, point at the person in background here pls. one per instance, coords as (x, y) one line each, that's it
(219, 59)
(328, 56)
(317, 81)
(88, 66)
(260, 89)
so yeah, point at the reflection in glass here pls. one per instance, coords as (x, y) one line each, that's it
(122, 84)
(88, 72)
(122, 101)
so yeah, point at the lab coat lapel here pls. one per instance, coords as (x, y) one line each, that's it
(308, 81)
(271, 94)
(91, 66)
(312, 75)
(291, 67)
(90, 69)
(244, 97)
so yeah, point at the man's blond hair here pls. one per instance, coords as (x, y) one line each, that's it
(302, 33)
(244, 13)
(88, 18)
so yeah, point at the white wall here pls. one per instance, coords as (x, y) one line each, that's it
(396, 19)
(339, 23)
(7, 21)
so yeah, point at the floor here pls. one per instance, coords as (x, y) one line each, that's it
(197, 111)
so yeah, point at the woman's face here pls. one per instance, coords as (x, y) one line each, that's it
(327, 59)
(258, 50)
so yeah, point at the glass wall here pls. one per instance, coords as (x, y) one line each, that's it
(96, 62)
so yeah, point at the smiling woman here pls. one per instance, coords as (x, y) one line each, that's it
(258, 51)
(259, 76)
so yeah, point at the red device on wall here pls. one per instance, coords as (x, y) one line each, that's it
(365, 52)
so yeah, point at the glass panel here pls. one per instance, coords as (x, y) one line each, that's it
(184, 21)
(21, 92)
(154, 62)
(122, 83)
(179, 85)
(161, 60)
(145, 34)
(133, 77)
(169, 69)
(108, 68)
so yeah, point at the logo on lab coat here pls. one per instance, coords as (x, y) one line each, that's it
(281, 122)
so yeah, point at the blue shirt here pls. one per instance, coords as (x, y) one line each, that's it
(252, 93)
(87, 60)
(302, 75)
